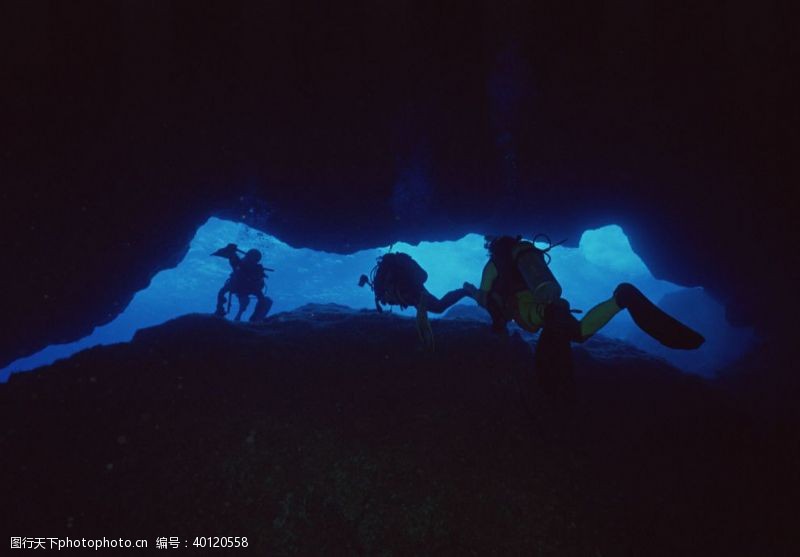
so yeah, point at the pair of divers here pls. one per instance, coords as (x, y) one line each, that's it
(247, 279)
(517, 285)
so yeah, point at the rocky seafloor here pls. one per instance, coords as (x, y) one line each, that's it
(327, 431)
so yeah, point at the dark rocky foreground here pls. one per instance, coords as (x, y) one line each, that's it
(325, 431)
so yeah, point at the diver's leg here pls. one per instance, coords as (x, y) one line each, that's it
(558, 318)
(654, 321)
(436, 305)
(267, 306)
(244, 301)
(263, 304)
(597, 318)
(553, 362)
(222, 300)
(553, 354)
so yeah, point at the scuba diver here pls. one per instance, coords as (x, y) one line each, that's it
(517, 285)
(399, 280)
(246, 279)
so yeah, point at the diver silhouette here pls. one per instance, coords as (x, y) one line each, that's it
(399, 280)
(517, 285)
(246, 279)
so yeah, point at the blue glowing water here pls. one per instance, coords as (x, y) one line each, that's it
(588, 275)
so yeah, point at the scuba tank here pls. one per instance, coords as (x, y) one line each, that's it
(396, 280)
(532, 263)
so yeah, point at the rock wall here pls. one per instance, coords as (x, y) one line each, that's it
(327, 430)
(125, 126)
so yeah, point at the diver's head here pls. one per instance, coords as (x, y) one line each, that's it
(252, 256)
(497, 245)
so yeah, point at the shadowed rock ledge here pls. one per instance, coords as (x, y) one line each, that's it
(326, 431)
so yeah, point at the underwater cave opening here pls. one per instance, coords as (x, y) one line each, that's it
(588, 274)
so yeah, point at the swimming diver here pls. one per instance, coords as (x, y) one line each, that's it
(517, 285)
(246, 279)
(399, 280)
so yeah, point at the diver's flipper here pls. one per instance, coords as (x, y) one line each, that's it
(654, 321)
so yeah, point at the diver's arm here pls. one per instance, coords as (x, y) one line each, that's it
(440, 305)
(478, 295)
(487, 278)
(234, 260)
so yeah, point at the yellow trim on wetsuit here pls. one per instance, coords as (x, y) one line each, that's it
(530, 313)
(597, 317)
(488, 276)
(527, 313)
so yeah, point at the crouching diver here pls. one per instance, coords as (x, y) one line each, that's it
(517, 285)
(399, 280)
(246, 279)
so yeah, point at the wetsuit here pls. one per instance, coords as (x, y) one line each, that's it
(514, 300)
(509, 295)
(516, 284)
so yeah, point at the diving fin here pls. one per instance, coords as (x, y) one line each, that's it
(654, 321)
